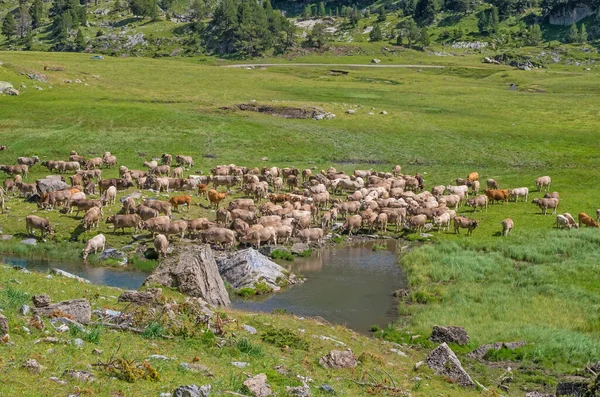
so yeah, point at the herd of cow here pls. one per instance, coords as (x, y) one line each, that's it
(279, 203)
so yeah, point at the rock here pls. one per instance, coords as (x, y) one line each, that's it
(325, 388)
(50, 183)
(383, 112)
(141, 297)
(198, 368)
(75, 309)
(41, 300)
(267, 250)
(192, 391)
(78, 342)
(298, 391)
(337, 359)
(375, 60)
(62, 273)
(97, 352)
(193, 271)
(112, 253)
(482, 350)
(257, 386)
(5, 85)
(245, 268)
(249, 329)
(134, 195)
(24, 310)
(48, 339)
(538, 394)
(572, 389)
(568, 15)
(33, 366)
(3, 325)
(350, 111)
(56, 380)
(82, 376)
(299, 248)
(264, 159)
(445, 363)
(29, 241)
(12, 92)
(197, 305)
(456, 335)
(240, 364)
(6, 237)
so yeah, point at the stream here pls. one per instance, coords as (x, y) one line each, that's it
(350, 285)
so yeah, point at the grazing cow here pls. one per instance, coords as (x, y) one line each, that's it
(84, 205)
(176, 201)
(94, 163)
(492, 184)
(223, 217)
(497, 195)
(94, 244)
(118, 183)
(545, 203)
(185, 161)
(562, 221)
(215, 197)
(110, 196)
(20, 169)
(571, 220)
(260, 235)
(507, 226)
(28, 161)
(152, 223)
(161, 245)
(438, 191)
(522, 192)
(313, 234)
(353, 223)
(442, 221)
(587, 220)
(223, 237)
(381, 222)
(465, 223)
(146, 212)
(174, 227)
(33, 222)
(160, 170)
(92, 218)
(543, 182)
(478, 201)
(163, 207)
(475, 187)
(226, 180)
(552, 195)
(177, 172)
(166, 159)
(473, 176)
(128, 206)
(123, 221)
(417, 222)
(203, 190)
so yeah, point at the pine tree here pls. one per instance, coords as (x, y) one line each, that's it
(425, 10)
(9, 26)
(24, 21)
(153, 10)
(37, 13)
(317, 37)
(375, 34)
(573, 36)
(399, 37)
(381, 15)
(424, 39)
(583, 36)
(223, 26)
(494, 20)
(79, 41)
(28, 42)
(117, 6)
(321, 11)
(307, 13)
(534, 35)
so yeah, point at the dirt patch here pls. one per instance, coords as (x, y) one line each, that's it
(286, 112)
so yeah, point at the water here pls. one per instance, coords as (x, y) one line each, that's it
(113, 277)
(350, 285)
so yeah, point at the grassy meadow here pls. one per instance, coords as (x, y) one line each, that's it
(538, 285)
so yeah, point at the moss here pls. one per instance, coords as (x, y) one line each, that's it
(282, 254)
(262, 288)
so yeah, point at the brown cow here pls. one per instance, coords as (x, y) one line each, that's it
(587, 220)
(497, 195)
(176, 201)
(215, 197)
(123, 221)
(35, 222)
(465, 223)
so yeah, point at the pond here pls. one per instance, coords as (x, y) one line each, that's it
(350, 285)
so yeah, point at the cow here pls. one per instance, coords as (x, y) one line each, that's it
(571, 220)
(478, 201)
(417, 222)
(492, 184)
(545, 203)
(223, 237)
(562, 221)
(465, 223)
(92, 218)
(472, 177)
(215, 197)
(176, 201)
(28, 161)
(522, 192)
(497, 195)
(507, 226)
(174, 227)
(185, 161)
(33, 222)
(587, 220)
(123, 221)
(163, 207)
(314, 234)
(161, 245)
(442, 221)
(94, 244)
(543, 182)
(166, 159)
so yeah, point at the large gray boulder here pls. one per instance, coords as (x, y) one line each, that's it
(51, 183)
(77, 309)
(193, 271)
(245, 268)
(456, 335)
(445, 363)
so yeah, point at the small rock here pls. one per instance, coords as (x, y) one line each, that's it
(12, 92)
(383, 112)
(24, 310)
(78, 342)
(192, 391)
(42, 300)
(33, 366)
(82, 376)
(240, 364)
(26, 330)
(456, 335)
(350, 111)
(47, 339)
(3, 325)
(161, 357)
(299, 248)
(299, 391)
(6, 237)
(29, 241)
(249, 329)
(57, 380)
(112, 253)
(97, 352)
(575, 389)
(538, 394)
(337, 359)
(257, 386)
(62, 329)
(418, 365)
(264, 159)
(398, 352)
(375, 60)
(325, 388)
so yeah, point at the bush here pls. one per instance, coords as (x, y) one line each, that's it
(282, 254)
(247, 347)
(284, 338)
(153, 331)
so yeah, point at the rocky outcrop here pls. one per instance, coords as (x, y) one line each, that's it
(445, 363)
(76, 309)
(51, 183)
(193, 271)
(482, 350)
(245, 268)
(257, 386)
(152, 295)
(337, 359)
(568, 15)
(456, 335)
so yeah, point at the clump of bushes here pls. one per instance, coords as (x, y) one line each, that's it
(284, 338)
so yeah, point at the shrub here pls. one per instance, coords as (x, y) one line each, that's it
(282, 254)
(283, 338)
(247, 347)
(153, 331)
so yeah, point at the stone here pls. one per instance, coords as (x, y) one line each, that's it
(350, 111)
(193, 271)
(97, 352)
(456, 335)
(41, 300)
(6, 237)
(572, 389)
(445, 363)
(325, 388)
(257, 386)
(298, 391)
(240, 364)
(383, 112)
(50, 183)
(249, 329)
(538, 394)
(152, 295)
(134, 195)
(192, 391)
(482, 350)
(568, 15)
(5, 85)
(299, 248)
(245, 268)
(29, 241)
(76, 309)
(33, 366)
(62, 273)
(198, 368)
(375, 60)
(3, 325)
(78, 342)
(82, 376)
(337, 359)
(113, 253)
(12, 92)
(24, 310)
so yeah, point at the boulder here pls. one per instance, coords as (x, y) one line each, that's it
(76, 309)
(193, 271)
(42, 300)
(3, 325)
(112, 253)
(29, 241)
(350, 111)
(5, 85)
(572, 389)
(375, 60)
(192, 391)
(337, 359)
(298, 391)
(50, 183)
(245, 268)
(299, 248)
(12, 92)
(445, 363)
(257, 386)
(148, 297)
(32, 366)
(62, 273)
(456, 335)
(482, 350)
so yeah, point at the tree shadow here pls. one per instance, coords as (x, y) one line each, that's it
(125, 22)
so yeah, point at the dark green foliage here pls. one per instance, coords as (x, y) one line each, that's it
(282, 254)
(153, 331)
(534, 35)
(307, 12)
(573, 36)
(505, 354)
(487, 21)
(381, 15)
(424, 39)
(321, 10)
(583, 36)
(9, 26)
(79, 41)
(37, 13)
(409, 29)
(28, 41)
(283, 338)
(375, 34)
(317, 36)
(247, 347)
(425, 10)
